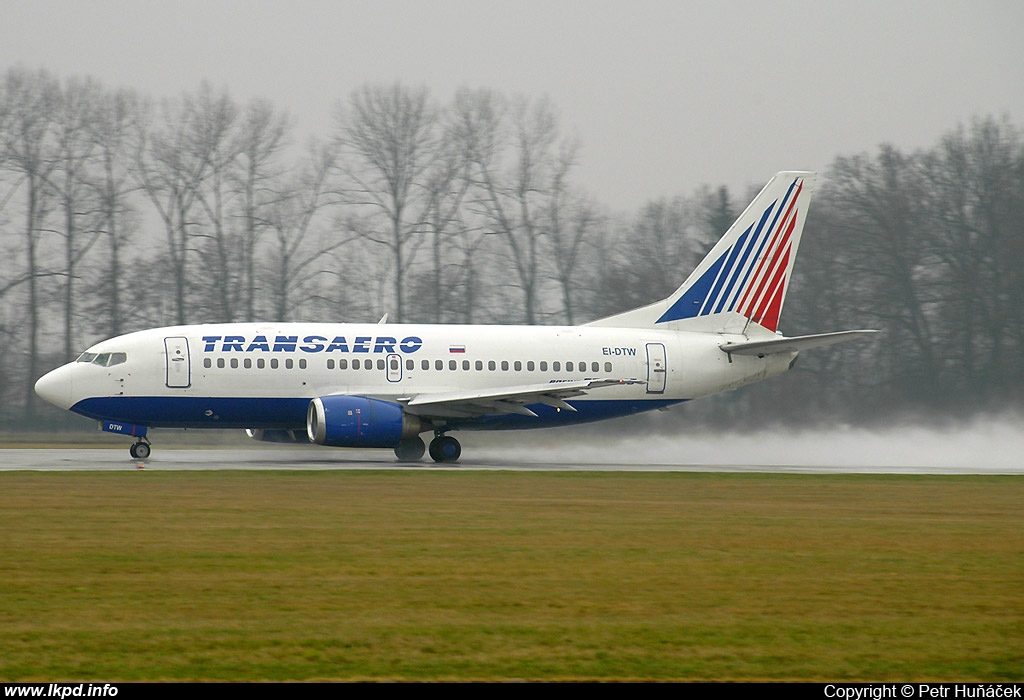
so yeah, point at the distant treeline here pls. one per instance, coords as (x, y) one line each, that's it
(119, 213)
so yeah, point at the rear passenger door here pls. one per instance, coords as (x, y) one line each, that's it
(656, 368)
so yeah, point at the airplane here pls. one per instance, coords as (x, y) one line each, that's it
(383, 385)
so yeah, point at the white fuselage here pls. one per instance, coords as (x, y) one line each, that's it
(263, 375)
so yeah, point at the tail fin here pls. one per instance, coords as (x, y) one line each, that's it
(746, 274)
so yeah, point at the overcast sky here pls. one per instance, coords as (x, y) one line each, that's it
(664, 96)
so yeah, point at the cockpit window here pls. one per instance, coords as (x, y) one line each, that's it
(103, 359)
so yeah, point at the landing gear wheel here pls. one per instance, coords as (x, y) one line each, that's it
(140, 450)
(445, 448)
(410, 450)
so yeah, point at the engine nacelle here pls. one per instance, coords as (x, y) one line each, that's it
(285, 436)
(356, 421)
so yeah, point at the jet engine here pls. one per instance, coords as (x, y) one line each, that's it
(356, 421)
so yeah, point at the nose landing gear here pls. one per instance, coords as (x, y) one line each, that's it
(140, 450)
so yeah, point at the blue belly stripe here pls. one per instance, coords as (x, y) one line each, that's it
(197, 412)
(290, 414)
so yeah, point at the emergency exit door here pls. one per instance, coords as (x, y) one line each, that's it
(394, 368)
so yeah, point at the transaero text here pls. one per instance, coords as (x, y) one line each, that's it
(311, 343)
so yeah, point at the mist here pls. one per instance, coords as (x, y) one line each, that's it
(991, 445)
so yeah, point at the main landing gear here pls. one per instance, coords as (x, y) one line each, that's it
(410, 450)
(443, 448)
(140, 450)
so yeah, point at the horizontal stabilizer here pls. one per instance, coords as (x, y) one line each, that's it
(800, 342)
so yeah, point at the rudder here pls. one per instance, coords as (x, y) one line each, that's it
(747, 272)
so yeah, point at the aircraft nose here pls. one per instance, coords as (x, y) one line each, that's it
(55, 387)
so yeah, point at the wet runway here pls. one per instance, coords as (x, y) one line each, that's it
(315, 458)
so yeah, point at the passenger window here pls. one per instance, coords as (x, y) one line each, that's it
(355, 364)
(289, 363)
(453, 365)
(465, 364)
(504, 365)
(410, 364)
(247, 363)
(330, 364)
(607, 366)
(207, 363)
(543, 366)
(595, 367)
(530, 366)
(583, 367)
(261, 363)
(234, 363)
(491, 365)
(394, 363)
(438, 364)
(556, 366)
(342, 364)
(479, 365)
(273, 363)
(425, 364)
(518, 366)
(380, 364)
(302, 363)
(220, 363)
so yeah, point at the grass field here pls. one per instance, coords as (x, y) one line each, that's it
(500, 575)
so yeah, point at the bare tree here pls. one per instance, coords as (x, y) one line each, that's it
(388, 141)
(573, 225)
(290, 218)
(31, 146)
(972, 212)
(259, 142)
(212, 120)
(653, 252)
(520, 165)
(444, 189)
(73, 190)
(112, 132)
(476, 130)
(169, 169)
(879, 211)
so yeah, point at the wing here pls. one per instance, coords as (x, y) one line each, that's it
(473, 404)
